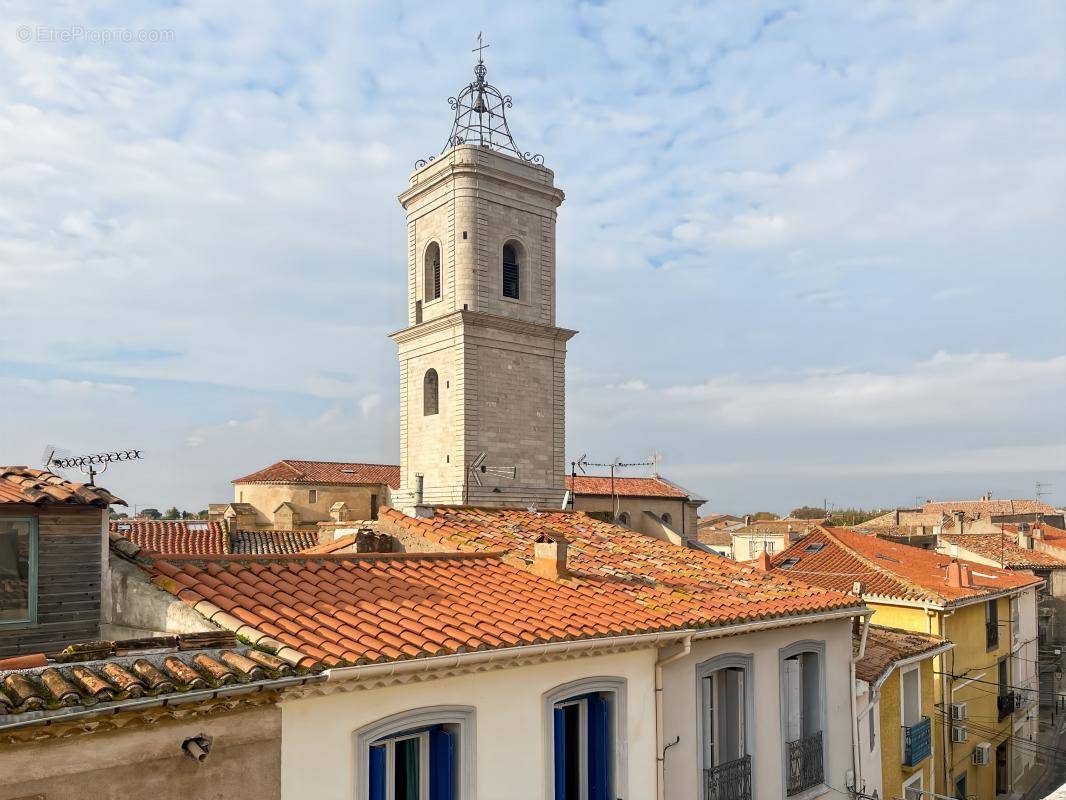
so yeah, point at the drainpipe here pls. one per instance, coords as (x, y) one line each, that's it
(660, 747)
(855, 659)
(945, 695)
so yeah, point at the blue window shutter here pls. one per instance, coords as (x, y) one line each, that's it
(377, 773)
(441, 764)
(599, 749)
(560, 755)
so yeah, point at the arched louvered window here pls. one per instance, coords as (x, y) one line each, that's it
(430, 393)
(511, 270)
(432, 272)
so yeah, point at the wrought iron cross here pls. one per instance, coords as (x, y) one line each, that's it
(479, 48)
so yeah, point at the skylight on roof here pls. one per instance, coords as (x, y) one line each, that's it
(790, 562)
(196, 526)
(814, 547)
(124, 526)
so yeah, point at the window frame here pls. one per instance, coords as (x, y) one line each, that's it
(464, 717)
(438, 274)
(564, 692)
(33, 548)
(903, 673)
(917, 778)
(312, 497)
(522, 257)
(816, 646)
(746, 663)
(425, 396)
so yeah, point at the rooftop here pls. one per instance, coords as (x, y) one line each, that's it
(887, 646)
(40, 487)
(292, 470)
(836, 558)
(601, 485)
(174, 536)
(273, 540)
(96, 678)
(991, 507)
(1004, 550)
(330, 610)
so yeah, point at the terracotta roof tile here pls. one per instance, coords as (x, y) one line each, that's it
(274, 541)
(1004, 550)
(191, 537)
(886, 646)
(991, 507)
(837, 558)
(40, 487)
(332, 472)
(601, 485)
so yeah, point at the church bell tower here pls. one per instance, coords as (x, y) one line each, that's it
(482, 363)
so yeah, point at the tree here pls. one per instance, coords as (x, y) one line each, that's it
(762, 516)
(852, 516)
(117, 515)
(172, 513)
(807, 512)
(202, 514)
(151, 513)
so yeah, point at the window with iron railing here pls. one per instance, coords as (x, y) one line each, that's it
(917, 742)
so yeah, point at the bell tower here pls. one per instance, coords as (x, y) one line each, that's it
(482, 364)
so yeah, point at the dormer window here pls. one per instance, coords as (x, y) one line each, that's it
(432, 272)
(511, 271)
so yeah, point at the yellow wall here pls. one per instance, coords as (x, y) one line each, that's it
(893, 771)
(965, 627)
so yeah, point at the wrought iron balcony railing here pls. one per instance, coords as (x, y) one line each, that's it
(917, 742)
(805, 763)
(1006, 704)
(728, 781)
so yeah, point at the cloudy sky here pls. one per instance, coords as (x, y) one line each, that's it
(815, 250)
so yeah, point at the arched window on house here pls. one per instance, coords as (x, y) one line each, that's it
(432, 272)
(430, 393)
(667, 519)
(511, 270)
(623, 519)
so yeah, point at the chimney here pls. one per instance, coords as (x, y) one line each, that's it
(960, 520)
(549, 556)
(762, 563)
(1025, 539)
(955, 575)
(858, 588)
(967, 575)
(419, 480)
(895, 519)
(747, 520)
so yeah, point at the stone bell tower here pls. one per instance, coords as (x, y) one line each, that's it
(482, 411)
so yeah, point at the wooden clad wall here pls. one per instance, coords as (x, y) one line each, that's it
(69, 542)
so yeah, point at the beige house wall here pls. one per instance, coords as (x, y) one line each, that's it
(683, 516)
(318, 751)
(267, 497)
(146, 761)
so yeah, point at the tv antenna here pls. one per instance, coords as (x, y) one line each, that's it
(93, 464)
(478, 467)
(617, 464)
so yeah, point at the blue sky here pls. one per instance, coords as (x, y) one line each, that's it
(815, 250)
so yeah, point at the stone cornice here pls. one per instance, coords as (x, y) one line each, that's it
(554, 196)
(479, 319)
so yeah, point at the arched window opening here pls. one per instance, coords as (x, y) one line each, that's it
(510, 271)
(430, 393)
(623, 519)
(667, 519)
(432, 272)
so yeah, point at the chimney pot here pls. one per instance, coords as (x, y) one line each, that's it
(747, 519)
(967, 575)
(549, 556)
(762, 563)
(954, 575)
(858, 588)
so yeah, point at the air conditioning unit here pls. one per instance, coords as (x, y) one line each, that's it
(958, 733)
(982, 754)
(958, 711)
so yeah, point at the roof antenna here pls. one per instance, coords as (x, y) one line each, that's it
(87, 465)
(583, 462)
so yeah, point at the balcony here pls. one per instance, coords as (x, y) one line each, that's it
(728, 781)
(1006, 703)
(917, 742)
(805, 763)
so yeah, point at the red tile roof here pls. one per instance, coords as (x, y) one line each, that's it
(729, 592)
(40, 487)
(1004, 550)
(189, 537)
(886, 646)
(991, 507)
(837, 557)
(710, 536)
(359, 608)
(292, 470)
(600, 485)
